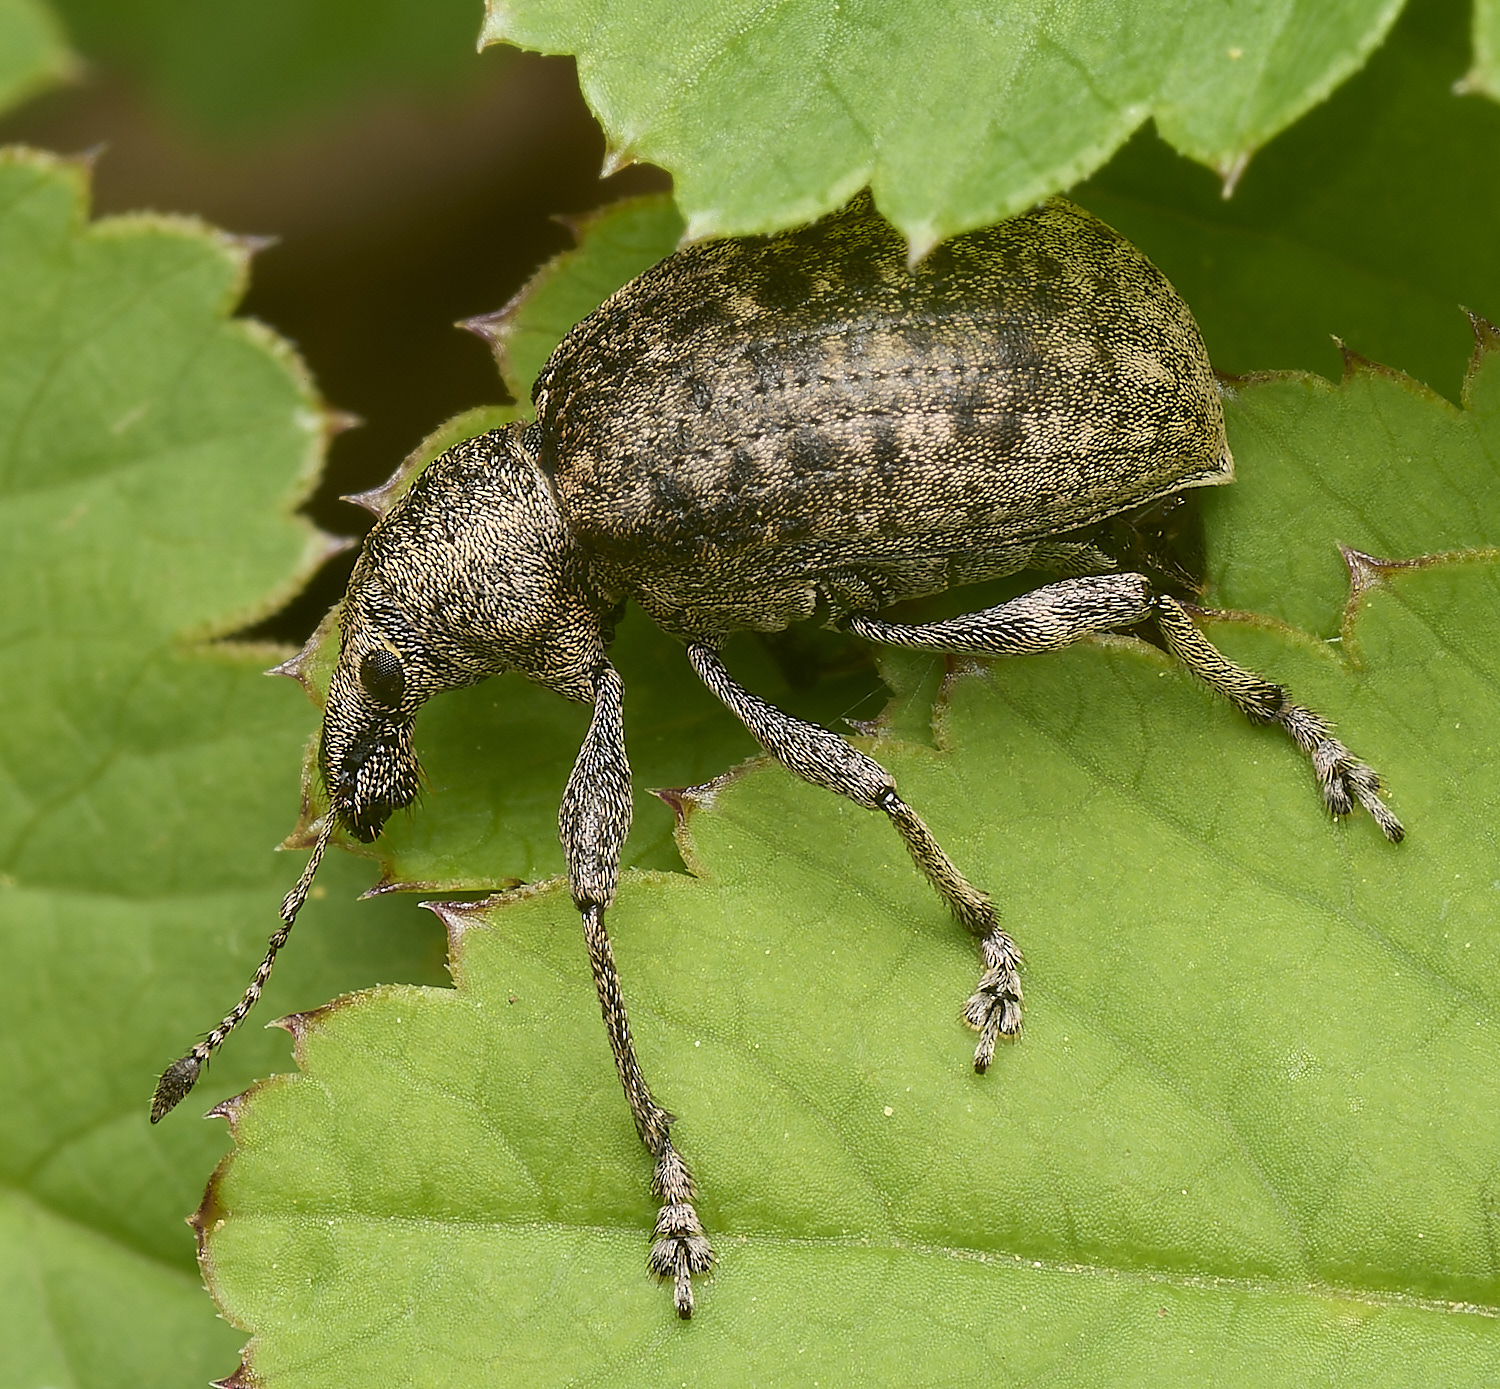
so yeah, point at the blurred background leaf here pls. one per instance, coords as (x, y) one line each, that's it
(33, 53)
(244, 71)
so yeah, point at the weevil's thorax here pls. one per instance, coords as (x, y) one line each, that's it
(472, 572)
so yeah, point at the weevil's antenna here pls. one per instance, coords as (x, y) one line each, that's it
(181, 1076)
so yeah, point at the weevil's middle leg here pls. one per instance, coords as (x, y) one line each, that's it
(824, 759)
(593, 822)
(994, 1008)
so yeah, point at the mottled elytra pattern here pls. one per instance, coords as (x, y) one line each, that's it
(753, 430)
(808, 404)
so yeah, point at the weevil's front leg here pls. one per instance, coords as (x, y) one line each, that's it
(593, 822)
(1343, 778)
(826, 760)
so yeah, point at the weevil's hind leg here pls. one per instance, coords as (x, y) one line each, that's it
(824, 759)
(1054, 616)
(593, 822)
(1344, 779)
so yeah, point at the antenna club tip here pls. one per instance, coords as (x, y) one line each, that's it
(172, 1088)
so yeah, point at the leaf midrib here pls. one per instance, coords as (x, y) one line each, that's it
(1268, 1287)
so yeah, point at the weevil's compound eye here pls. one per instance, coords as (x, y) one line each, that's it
(381, 674)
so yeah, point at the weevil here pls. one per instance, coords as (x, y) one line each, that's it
(755, 432)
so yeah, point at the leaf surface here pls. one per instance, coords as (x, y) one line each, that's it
(955, 117)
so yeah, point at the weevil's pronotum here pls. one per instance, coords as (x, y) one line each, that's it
(754, 432)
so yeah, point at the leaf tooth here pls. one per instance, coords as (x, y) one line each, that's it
(678, 799)
(1368, 571)
(617, 157)
(251, 244)
(490, 326)
(577, 224)
(205, 1221)
(303, 1025)
(85, 159)
(1475, 82)
(310, 826)
(1230, 170)
(242, 1378)
(376, 500)
(388, 884)
(298, 667)
(957, 666)
(1486, 343)
(1355, 362)
(379, 500)
(1365, 571)
(496, 329)
(1486, 334)
(326, 545)
(458, 919)
(919, 243)
(229, 1110)
(684, 800)
(495, 28)
(336, 421)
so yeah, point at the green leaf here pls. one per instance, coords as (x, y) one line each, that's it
(1249, 1137)
(33, 52)
(768, 116)
(1310, 444)
(1369, 220)
(243, 70)
(1484, 76)
(154, 451)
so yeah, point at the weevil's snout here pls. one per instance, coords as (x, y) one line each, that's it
(369, 764)
(374, 779)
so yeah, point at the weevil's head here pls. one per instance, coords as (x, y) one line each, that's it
(471, 573)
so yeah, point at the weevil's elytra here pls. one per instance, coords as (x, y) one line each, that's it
(1023, 382)
(754, 431)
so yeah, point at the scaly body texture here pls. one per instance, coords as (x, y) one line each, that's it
(752, 431)
(751, 425)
